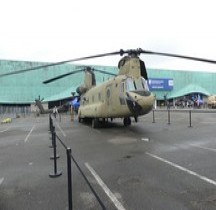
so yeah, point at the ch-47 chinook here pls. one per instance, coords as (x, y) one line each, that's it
(124, 96)
(42, 110)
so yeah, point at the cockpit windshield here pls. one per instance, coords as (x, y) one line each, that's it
(138, 84)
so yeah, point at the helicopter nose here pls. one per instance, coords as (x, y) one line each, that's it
(140, 102)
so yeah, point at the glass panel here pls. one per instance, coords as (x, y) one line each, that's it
(122, 87)
(129, 85)
(145, 84)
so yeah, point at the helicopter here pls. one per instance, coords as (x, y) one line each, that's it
(124, 96)
(212, 101)
(65, 107)
(42, 110)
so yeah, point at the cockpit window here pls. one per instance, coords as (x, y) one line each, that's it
(144, 83)
(139, 84)
(130, 85)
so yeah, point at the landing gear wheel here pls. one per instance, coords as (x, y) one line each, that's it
(80, 120)
(95, 122)
(136, 119)
(127, 121)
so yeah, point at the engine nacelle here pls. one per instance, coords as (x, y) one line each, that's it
(81, 90)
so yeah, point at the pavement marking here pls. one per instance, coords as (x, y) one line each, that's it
(210, 181)
(93, 129)
(1, 180)
(26, 139)
(113, 198)
(63, 133)
(145, 139)
(207, 122)
(96, 130)
(206, 148)
(4, 130)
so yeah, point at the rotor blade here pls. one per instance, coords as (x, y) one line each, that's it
(121, 52)
(62, 76)
(104, 72)
(177, 56)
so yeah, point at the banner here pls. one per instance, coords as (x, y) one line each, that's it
(160, 84)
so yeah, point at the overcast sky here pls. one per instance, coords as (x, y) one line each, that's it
(51, 30)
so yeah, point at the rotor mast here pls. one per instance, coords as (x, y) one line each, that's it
(130, 64)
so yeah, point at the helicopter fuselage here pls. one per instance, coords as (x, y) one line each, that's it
(119, 97)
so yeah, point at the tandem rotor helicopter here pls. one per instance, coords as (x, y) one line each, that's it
(125, 95)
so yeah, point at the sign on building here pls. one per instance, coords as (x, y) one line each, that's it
(160, 84)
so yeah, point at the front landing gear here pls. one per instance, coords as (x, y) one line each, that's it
(95, 123)
(127, 121)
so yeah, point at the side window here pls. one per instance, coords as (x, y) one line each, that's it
(108, 93)
(121, 97)
(122, 87)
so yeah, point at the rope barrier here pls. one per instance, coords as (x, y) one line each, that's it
(69, 158)
(92, 189)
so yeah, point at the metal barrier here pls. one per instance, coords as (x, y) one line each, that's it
(190, 126)
(168, 110)
(57, 173)
(153, 121)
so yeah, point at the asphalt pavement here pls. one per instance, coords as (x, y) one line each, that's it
(165, 161)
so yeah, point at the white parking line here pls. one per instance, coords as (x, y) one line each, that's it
(4, 130)
(96, 130)
(113, 198)
(210, 181)
(145, 139)
(206, 148)
(1, 180)
(26, 139)
(63, 133)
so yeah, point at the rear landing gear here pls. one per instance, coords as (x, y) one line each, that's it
(127, 121)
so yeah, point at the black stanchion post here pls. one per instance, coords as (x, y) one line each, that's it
(70, 200)
(190, 126)
(54, 142)
(52, 129)
(50, 122)
(56, 173)
(153, 116)
(51, 125)
(168, 116)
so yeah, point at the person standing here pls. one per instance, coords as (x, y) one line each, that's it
(55, 111)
